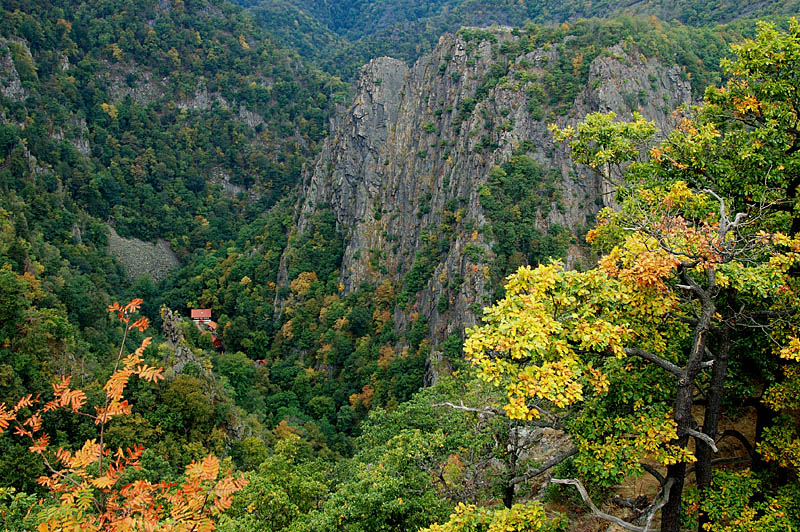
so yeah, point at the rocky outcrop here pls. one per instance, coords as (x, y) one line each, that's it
(408, 150)
(623, 80)
(10, 82)
(201, 100)
(129, 81)
(178, 353)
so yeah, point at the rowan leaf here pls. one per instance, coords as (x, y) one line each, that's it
(88, 454)
(103, 482)
(40, 444)
(133, 306)
(25, 402)
(150, 373)
(115, 386)
(5, 417)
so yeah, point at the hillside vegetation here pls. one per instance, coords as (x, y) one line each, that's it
(340, 400)
(342, 35)
(179, 121)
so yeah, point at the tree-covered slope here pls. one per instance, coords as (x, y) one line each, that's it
(337, 299)
(186, 121)
(179, 121)
(174, 120)
(360, 18)
(342, 35)
(434, 184)
(139, 107)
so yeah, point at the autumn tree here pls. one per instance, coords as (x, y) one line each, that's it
(700, 254)
(89, 483)
(606, 145)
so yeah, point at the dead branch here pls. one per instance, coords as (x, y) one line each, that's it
(654, 473)
(739, 436)
(488, 411)
(708, 440)
(657, 360)
(491, 411)
(655, 507)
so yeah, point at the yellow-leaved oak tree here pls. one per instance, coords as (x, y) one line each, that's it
(700, 262)
(89, 484)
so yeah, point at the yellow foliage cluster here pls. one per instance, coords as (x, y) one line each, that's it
(519, 518)
(302, 284)
(543, 328)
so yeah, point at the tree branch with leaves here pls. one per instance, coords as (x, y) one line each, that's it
(89, 483)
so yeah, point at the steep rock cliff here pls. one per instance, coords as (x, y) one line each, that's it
(405, 165)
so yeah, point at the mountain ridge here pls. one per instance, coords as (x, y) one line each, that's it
(341, 36)
(408, 199)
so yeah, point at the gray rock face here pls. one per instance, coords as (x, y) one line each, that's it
(128, 81)
(10, 82)
(399, 154)
(201, 100)
(626, 81)
(179, 353)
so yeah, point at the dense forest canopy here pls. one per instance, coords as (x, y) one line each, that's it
(670, 354)
(342, 35)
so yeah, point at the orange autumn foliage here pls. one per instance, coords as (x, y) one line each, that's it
(88, 483)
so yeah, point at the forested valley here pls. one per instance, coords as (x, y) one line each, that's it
(446, 266)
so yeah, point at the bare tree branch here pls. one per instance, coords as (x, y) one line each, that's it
(708, 440)
(739, 436)
(684, 273)
(731, 460)
(658, 503)
(655, 507)
(654, 473)
(489, 411)
(663, 363)
(725, 223)
(722, 461)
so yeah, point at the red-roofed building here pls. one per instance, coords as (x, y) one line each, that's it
(201, 315)
(202, 319)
